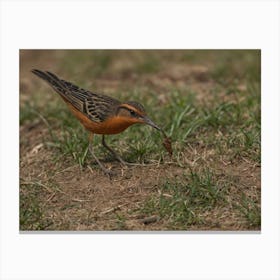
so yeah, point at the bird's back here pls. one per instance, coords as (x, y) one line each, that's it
(94, 106)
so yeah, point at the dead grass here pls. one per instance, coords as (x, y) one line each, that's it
(207, 101)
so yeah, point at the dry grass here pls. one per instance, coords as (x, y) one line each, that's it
(207, 101)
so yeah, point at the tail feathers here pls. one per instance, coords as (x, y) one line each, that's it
(41, 74)
(53, 76)
(52, 80)
(63, 88)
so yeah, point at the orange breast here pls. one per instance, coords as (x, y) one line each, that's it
(112, 125)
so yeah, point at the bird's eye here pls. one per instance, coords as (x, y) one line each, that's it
(132, 113)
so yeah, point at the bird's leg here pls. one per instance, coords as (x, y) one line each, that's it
(115, 154)
(112, 151)
(104, 169)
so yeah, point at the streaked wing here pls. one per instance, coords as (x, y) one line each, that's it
(96, 107)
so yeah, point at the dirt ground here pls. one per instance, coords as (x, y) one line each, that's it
(56, 193)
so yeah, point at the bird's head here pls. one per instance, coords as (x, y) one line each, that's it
(135, 112)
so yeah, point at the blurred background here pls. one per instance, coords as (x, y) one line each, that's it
(207, 101)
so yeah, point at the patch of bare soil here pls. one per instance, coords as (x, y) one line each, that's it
(72, 198)
(75, 199)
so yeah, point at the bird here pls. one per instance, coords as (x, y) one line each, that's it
(98, 113)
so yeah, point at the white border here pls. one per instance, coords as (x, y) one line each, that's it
(155, 24)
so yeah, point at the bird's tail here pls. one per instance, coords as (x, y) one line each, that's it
(57, 84)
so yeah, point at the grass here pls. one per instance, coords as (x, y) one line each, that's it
(32, 212)
(250, 210)
(184, 202)
(181, 202)
(183, 120)
(207, 130)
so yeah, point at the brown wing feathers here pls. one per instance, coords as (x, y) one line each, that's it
(96, 107)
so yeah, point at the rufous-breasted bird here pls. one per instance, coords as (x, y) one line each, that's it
(98, 113)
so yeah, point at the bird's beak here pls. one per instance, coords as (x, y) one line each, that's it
(151, 123)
